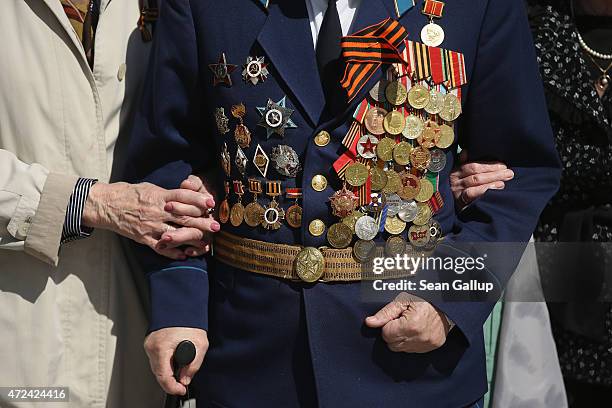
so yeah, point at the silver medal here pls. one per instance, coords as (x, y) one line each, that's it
(366, 146)
(286, 160)
(394, 203)
(408, 211)
(378, 91)
(276, 117)
(432, 35)
(438, 161)
(366, 228)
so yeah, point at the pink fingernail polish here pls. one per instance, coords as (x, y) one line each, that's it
(215, 226)
(210, 203)
(168, 207)
(168, 238)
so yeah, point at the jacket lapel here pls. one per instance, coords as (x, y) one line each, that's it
(286, 39)
(58, 11)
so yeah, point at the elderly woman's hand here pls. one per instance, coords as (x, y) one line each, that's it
(145, 212)
(471, 180)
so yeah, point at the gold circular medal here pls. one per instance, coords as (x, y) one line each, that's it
(394, 122)
(419, 235)
(378, 177)
(339, 235)
(423, 214)
(394, 182)
(429, 135)
(253, 214)
(414, 127)
(356, 174)
(384, 150)
(322, 138)
(395, 245)
(319, 183)
(446, 137)
(309, 264)
(418, 96)
(237, 214)
(435, 102)
(316, 228)
(420, 158)
(426, 191)
(451, 108)
(364, 251)
(374, 120)
(294, 216)
(411, 185)
(224, 211)
(351, 220)
(394, 226)
(401, 153)
(396, 93)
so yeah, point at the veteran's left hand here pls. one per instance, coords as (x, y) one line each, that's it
(411, 325)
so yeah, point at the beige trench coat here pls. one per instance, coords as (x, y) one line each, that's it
(71, 315)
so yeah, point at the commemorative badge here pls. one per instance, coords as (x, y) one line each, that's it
(366, 146)
(273, 212)
(366, 228)
(224, 208)
(339, 235)
(261, 161)
(241, 161)
(294, 213)
(242, 134)
(222, 121)
(286, 161)
(226, 161)
(222, 71)
(255, 70)
(432, 34)
(394, 246)
(343, 202)
(276, 117)
(253, 212)
(364, 251)
(237, 211)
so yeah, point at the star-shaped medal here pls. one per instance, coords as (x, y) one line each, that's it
(276, 117)
(366, 147)
(222, 71)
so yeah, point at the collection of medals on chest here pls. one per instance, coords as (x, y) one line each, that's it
(395, 149)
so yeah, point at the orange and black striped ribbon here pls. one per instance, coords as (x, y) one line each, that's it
(255, 186)
(365, 51)
(273, 188)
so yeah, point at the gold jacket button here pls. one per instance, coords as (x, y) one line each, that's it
(319, 183)
(316, 228)
(322, 138)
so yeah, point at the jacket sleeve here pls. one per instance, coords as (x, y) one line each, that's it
(505, 118)
(168, 144)
(33, 205)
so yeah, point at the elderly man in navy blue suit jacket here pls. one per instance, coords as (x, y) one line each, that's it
(316, 140)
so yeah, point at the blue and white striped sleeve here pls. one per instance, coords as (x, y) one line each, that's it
(73, 229)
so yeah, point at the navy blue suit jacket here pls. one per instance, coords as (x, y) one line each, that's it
(505, 118)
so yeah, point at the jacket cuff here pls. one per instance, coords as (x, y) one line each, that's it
(179, 298)
(45, 232)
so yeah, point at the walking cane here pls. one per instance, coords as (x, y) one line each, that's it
(183, 355)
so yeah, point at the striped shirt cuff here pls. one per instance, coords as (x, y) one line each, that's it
(73, 229)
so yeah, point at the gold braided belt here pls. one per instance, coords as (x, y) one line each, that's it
(293, 262)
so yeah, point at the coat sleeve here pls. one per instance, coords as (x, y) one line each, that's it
(33, 204)
(167, 145)
(506, 119)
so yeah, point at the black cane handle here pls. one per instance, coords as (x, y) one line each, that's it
(184, 354)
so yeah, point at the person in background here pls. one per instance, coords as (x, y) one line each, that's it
(573, 42)
(70, 310)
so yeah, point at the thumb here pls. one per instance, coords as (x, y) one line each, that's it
(390, 312)
(188, 372)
